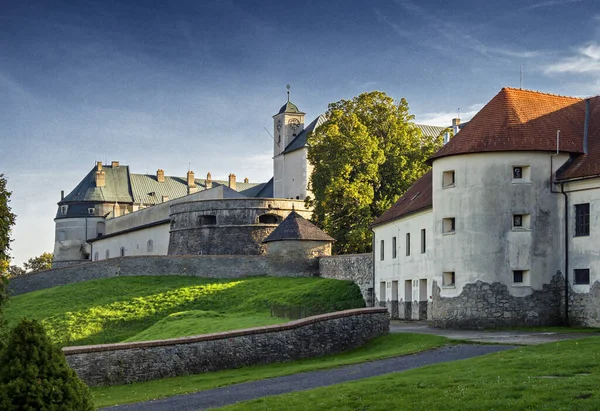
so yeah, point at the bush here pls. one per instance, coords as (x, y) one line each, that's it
(34, 374)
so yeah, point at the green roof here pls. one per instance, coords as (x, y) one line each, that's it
(289, 107)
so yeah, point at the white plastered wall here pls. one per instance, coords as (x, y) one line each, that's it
(71, 234)
(134, 243)
(483, 201)
(416, 266)
(295, 175)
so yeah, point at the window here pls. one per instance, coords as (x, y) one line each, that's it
(407, 243)
(107, 254)
(521, 174)
(393, 247)
(582, 276)
(517, 172)
(63, 210)
(381, 250)
(517, 220)
(520, 278)
(382, 291)
(448, 225)
(521, 222)
(448, 179)
(423, 241)
(150, 246)
(207, 220)
(122, 251)
(91, 210)
(582, 219)
(448, 279)
(268, 219)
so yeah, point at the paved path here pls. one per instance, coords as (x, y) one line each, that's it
(487, 336)
(219, 397)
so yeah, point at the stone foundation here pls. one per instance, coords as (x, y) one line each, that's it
(584, 308)
(483, 305)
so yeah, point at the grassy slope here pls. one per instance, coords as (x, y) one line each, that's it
(382, 347)
(117, 309)
(554, 376)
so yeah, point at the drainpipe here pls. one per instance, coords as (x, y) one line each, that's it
(562, 190)
(373, 254)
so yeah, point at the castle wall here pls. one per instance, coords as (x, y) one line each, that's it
(71, 235)
(352, 267)
(149, 240)
(309, 337)
(299, 256)
(226, 227)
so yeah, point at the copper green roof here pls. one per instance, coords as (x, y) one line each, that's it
(116, 188)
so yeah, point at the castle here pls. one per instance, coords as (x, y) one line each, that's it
(504, 229)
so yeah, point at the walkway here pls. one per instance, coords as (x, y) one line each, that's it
(219, 397)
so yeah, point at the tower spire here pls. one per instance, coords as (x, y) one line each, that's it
(288, 92)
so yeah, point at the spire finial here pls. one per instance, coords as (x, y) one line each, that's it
(288, 92)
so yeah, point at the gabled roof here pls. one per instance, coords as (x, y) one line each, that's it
(521, 120)
(266, 190)
(296, 227)
(417, 198)
(431, 131)
(301, 139)
(116, 189)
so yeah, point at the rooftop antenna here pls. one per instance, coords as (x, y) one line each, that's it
(269, 133)
(288, 92)
(189, 166)
(458, 113)
(521, 77)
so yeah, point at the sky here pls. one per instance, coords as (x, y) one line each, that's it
(192, 84)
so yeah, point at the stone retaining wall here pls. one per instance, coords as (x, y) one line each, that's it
(353, 267)
(584, 308)
(112, 364)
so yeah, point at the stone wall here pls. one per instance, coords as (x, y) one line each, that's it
(584, 308)
(353, 267)
(484, 305)
(310, 337)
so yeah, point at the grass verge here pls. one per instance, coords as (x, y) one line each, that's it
(555, 376)
(385, 346)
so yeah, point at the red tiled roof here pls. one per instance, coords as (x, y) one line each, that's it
(521, 120)
(587, 165)
(418, 197)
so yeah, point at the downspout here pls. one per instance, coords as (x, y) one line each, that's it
(373, 254)
(562, 190)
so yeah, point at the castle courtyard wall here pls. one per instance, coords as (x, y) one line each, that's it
(353, 267)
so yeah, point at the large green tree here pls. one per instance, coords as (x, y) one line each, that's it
(365, 155)
(39, 263)
(7, 220)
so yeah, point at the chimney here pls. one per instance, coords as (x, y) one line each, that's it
(62, 194)
(246, 180)
(232, 181)
(165, 199)
(100, 177)
(191, 182)
(116, 210)
(455, 124)
(160, 175)
(114, 164)
(99, 166)
(208, 181)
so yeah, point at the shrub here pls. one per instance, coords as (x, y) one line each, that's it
(34, 374)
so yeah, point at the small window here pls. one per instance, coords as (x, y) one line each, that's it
(448, 279)
(520, 277)
(521, 221)
(423, 241)
(107, 254)
(448, 225)
(63, 210)
(517, 173)
(407, 243)
(448, 179)
(150, 246)
(582, 276)
(91, 210)
(382, 250)
(207, 220)
(582, 219)
(122, 251)
(268, 219)
(521, 174)
(394, 247)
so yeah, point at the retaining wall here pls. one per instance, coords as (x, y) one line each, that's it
(310, 337)
(353, 267)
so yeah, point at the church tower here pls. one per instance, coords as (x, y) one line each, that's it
(288, 123)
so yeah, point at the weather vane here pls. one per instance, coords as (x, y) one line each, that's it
(288, 92)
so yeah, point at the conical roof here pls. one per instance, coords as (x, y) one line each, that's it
(296, 227)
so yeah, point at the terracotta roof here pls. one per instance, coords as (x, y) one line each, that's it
(296, 227)
(587, 165)
(417, 198)
(521, 120)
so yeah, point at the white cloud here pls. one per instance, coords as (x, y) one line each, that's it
(550, 3)
(444, 118)
(587, 60)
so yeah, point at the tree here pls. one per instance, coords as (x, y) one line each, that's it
(15, 271)
(34, 374)
(7, 220)
(39, 263)
(365, 155)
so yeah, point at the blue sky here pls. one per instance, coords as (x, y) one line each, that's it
(158, 84)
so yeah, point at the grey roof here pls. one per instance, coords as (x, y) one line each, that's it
(302, 138)
(431, 131)
(116, 188)
(289, 107)
(296, 227)
(267, 190)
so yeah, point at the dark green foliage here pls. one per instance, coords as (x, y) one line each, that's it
(34, 374)
(7, 220)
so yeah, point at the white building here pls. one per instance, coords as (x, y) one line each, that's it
(505, 228)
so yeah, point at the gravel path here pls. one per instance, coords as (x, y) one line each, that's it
(219, 397)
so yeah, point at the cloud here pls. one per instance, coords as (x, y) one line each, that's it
(550, 3)
(444, 118)
(587, 60)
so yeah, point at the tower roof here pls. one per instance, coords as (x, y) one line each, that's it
(289, 107)
(296, 227)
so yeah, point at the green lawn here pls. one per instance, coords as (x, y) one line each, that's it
(382, 347)
(554, 376)
(152, 307)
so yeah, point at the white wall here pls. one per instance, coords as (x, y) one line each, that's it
(134, 242)
(416, 266)
(485, 196)
(295, 174)
(71, 234)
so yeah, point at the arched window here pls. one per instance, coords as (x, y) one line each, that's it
(122, 251)
(107, 254)
(207, 220)
(150, 246)
(268, 219)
